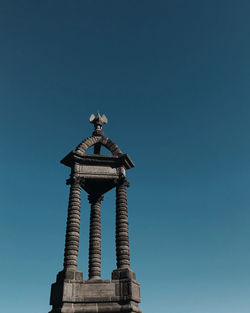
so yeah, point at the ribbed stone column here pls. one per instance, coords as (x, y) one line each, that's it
(95, 237)
(122, 239)
(73, 225)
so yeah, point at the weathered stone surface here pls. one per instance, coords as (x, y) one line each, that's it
(103, 293)
(92, 171)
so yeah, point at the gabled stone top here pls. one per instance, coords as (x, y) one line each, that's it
(97, 140)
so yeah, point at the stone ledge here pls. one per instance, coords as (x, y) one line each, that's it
(107, 307)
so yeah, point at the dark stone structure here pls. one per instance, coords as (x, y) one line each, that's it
(96, 174)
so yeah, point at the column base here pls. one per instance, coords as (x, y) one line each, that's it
(62, 279)
(123, 273)
(70, 274)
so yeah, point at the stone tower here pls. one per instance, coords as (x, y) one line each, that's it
(96, 174)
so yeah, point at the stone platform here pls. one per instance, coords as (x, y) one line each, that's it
(71, 294)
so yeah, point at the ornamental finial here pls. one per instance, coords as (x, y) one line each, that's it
(98, 121)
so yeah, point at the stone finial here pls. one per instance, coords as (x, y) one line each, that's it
(98, 121)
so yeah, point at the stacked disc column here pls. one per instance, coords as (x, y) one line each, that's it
(95, 237)
(122, 237)
(73, 225)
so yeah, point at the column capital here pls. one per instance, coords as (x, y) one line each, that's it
(93, 198)
(73, 180)
(122, 182)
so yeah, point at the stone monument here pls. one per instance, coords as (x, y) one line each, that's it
(96, 174)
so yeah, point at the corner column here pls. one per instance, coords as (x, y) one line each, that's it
(122, 238)
(73, 225)
(95, 237)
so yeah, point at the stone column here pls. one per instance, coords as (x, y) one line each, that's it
(73, 225)
(95, 237)
(122, 239)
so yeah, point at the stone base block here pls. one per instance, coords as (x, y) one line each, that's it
(124, 273)
(96, 296)
(69, 275)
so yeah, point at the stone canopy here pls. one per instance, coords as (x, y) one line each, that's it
(96, 174)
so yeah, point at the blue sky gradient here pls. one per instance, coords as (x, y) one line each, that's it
(173, 79)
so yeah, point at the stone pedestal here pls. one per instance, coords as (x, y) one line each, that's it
(74, 295)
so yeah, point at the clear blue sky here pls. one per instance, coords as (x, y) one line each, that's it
(173, 79)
